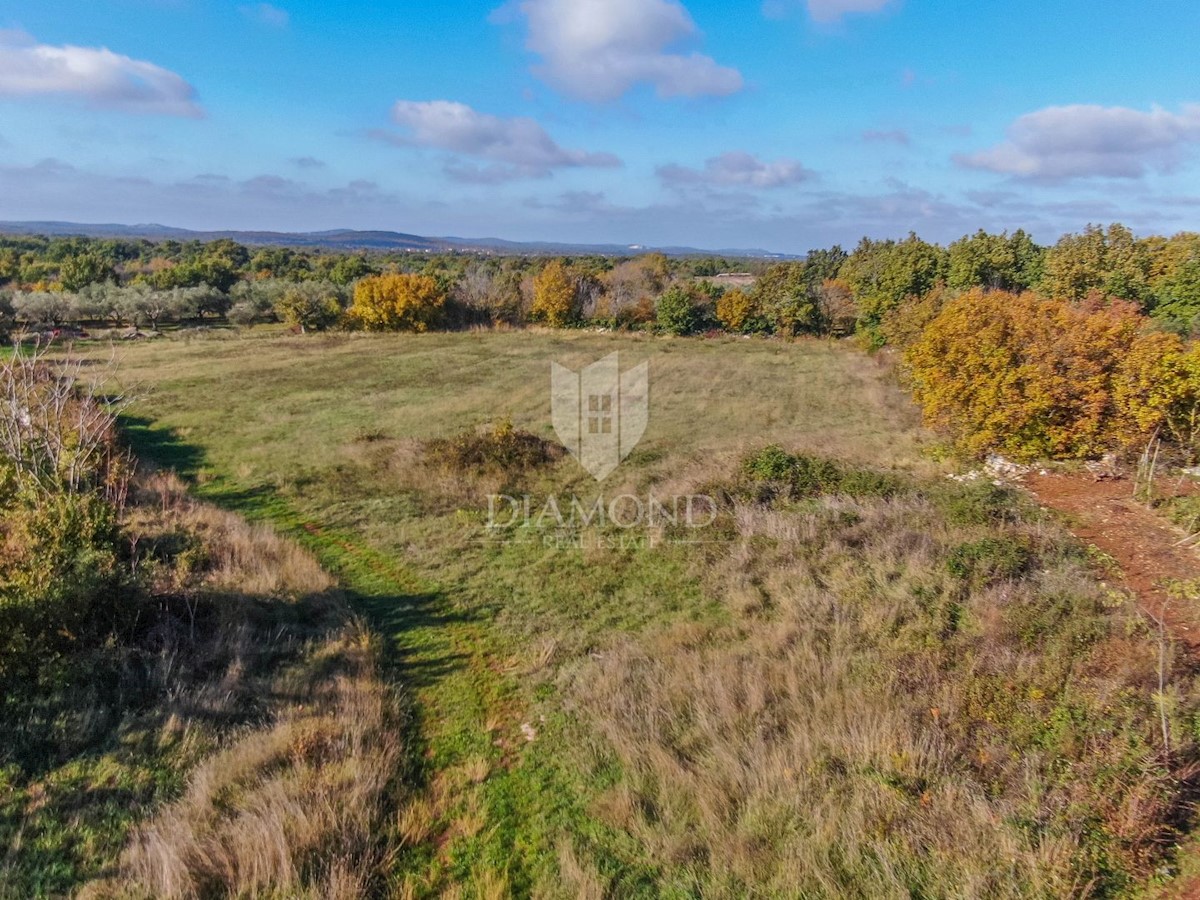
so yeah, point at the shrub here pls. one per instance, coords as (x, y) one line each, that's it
(398, 302)
(774, 473)
(976, 503)
(500, 447)
(990, 559)
(62, 587)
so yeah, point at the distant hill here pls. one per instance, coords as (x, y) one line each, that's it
(346, 239)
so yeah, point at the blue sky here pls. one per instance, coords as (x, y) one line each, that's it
(783, 124)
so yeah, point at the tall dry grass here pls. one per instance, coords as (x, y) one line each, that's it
(301, 800)
(872, 725)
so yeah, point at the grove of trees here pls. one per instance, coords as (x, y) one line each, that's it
(1067, 350)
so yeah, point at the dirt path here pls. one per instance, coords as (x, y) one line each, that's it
(1144, 544)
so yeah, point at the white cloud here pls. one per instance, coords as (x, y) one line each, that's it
(1060, 143)
(598, 50)
(97, 76)
(824, 11)
(737, 169)
(266, 14)
(513, 148)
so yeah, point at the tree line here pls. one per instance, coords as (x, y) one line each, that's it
(1067, 350)
(870, 290)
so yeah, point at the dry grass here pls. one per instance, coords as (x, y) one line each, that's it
(871, 727)
(302, 804)
(298, 808)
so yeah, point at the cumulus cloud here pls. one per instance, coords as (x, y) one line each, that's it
(737, 169)
(511, 148)
(97, 76)
(266, 14)
(824, 11)
(598, 50)
(1060, 143)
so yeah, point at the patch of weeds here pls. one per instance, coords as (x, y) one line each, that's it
(976, 503)
(772, 473)
(990, 559)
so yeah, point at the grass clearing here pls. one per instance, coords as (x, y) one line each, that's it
(867, 664)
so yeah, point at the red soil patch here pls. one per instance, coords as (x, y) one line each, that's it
(1144, 544)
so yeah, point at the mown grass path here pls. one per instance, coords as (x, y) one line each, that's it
(498, 794)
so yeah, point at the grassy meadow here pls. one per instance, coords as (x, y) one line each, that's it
(868, 680)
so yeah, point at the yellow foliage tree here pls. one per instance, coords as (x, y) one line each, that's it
(1157, 390)
(736, 309)
(554, 295)
(397, 302)
(1022, 374)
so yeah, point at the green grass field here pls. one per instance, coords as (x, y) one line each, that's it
(760, 713)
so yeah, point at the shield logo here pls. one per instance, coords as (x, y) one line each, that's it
(600, 414)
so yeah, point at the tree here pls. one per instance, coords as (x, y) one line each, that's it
(782, 296)
(1177, 297)
(1157, 390)
(348, 269)
(679, 311)
(822, 265)
(41, 307)
(1110, 261)
(398, 302)
(737, 311)
(836, 306)
(78, 272)
(554, 299)
(1023, 374)
(310, 305)
(883, 274)
(254, 301)
(138, 304)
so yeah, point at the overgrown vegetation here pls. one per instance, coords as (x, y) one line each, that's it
(142, 633)
(867, 680)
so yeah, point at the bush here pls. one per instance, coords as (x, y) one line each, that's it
(63, 589)
(501, 447)
(774, 473)
(990, 559)
(310, 305)
(976, 503)
(738, 311)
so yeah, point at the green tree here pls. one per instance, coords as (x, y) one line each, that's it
(679, 311)
(1111, 261)
(783, 298)
(310, 305)
(78, 272)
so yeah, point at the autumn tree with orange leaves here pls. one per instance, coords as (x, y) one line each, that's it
(1025, 375)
